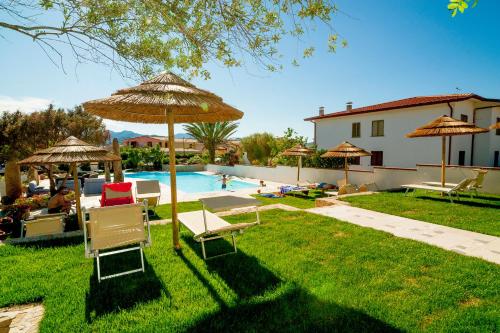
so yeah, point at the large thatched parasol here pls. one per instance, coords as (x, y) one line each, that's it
(71, 151)
(346, 150)
(300, 151)
(445, 126)
(165, 99)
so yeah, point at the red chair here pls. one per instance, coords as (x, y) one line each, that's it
(116, 194)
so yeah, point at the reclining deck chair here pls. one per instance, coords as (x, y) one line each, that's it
(115, 227)
(43, 225)
(116, 194)
(207, 226)
(148, 190)
(460, 187)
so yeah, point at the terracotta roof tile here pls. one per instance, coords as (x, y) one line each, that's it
(405, 103)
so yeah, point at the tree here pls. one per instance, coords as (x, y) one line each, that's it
(259, 147)
(456, 6)
(211, 134)
(141, 36)
(21, 134)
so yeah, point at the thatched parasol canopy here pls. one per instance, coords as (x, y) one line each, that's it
(166, 99)
(445, 126)
(149, 102)
(70, 150)
(346, 150)
(495, 126)
(300, 151)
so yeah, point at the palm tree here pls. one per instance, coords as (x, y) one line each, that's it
(211, 134)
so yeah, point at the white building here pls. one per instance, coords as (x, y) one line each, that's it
(381, 129)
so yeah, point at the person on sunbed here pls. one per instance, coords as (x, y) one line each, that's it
(58, 203)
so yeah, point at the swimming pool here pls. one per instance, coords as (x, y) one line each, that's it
(192, 182)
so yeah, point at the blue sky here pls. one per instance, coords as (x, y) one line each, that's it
(397, 49)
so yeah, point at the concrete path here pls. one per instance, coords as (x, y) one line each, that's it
(461, 241)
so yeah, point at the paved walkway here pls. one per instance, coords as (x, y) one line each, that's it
(461, 241)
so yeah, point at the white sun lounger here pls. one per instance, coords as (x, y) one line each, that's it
(115, 227)
(207, 226)
(460, 187)
(149, 190)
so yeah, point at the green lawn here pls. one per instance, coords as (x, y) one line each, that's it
(296, 272)
(480, 214)
(298, 200)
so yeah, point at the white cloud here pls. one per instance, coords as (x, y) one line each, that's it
(23, 104)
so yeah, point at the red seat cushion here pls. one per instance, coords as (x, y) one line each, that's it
(125, 187)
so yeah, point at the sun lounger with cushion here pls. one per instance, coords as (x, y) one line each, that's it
(116, 194)
(207, 226)
(109, 228)
(461, 187)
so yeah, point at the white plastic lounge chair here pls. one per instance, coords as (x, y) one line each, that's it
(475, 184)
(461, 187)
(148, 190)
(43, 225)
(93, 186)
(115, 227)
(207, 226)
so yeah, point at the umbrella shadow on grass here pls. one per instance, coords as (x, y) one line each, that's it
(242, 273)
(292, 309)
(124, 292)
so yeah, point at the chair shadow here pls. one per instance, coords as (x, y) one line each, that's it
(52, 243)
(295, 310)
(124, 292)
(463, 200)
(242, 273)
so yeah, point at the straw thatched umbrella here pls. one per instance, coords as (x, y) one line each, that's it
(165, 99)
(495, 126)
(300, 151)
(445, 126)
(346, 150)
(71, 151)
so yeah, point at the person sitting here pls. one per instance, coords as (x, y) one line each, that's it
(58, 203)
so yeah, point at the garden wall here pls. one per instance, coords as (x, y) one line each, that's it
(384, 177)
(185, 168)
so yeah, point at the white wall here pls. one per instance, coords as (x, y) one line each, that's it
(384, 178)
(400, 151)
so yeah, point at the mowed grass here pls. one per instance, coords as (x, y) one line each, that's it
(296, 272)
(479, 214)
(298, 200)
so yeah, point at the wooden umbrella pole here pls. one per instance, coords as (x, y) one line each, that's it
(173, 184)
(299, 165)
(77, 196)
(346, 169)
(443, 158)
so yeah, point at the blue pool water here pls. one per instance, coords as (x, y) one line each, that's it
(192, 182)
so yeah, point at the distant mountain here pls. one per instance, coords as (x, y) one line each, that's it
(183, 136)
(123, 135)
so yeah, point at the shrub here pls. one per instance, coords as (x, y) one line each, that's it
(196, 159)
(259, 147)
